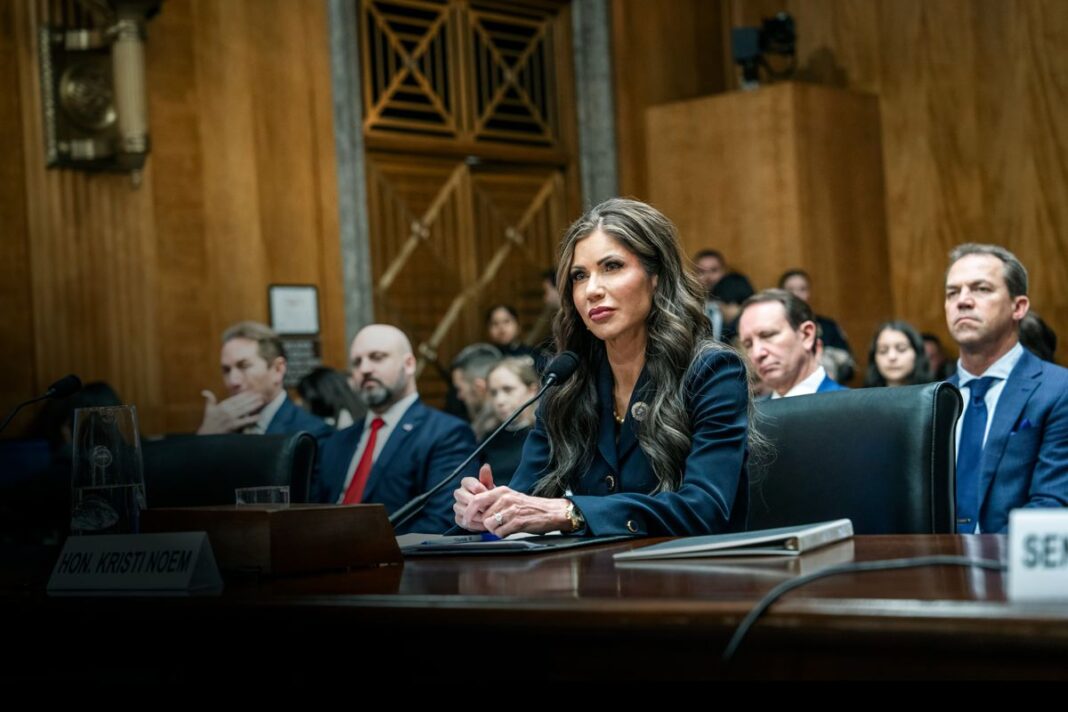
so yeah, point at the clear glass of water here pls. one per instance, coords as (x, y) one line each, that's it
(108, 485)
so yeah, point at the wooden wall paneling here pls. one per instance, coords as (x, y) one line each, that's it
(18, 379)
(838, 40)
(842, 209)
(323, 164)
(186, 295)
(661, 52)
(284, 136)
(933, 179)
(725, 173)
(842, 48)
(499, 145)
(238, 257)
(294, 155)
(93, 259)
(519, 214)
(569, 203)
(1023, 143)
(971, 93)
(133, 286)
(451, 241)
(421, 246)
(788, 176)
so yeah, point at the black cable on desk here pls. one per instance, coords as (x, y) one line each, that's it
(888, 565)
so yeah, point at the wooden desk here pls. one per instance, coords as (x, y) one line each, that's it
(572, 615)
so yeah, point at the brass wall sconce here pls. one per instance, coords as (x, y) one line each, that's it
(93, 89)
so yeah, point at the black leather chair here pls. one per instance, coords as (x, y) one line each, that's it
(196, 470)
(883, 457)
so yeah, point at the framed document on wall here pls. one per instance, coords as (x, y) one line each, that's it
(295, 318)
(294, 309)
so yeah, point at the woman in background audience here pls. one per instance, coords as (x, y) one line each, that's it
(897, 357)
(502, 328)
(512, 382)
(326, 393)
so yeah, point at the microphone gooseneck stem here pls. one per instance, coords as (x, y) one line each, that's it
(405, 513)
(20, 406)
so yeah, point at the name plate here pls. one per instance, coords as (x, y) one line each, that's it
(123, 564)
(1038, 554)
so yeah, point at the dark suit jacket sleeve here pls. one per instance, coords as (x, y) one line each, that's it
(1049, 480)
(453, 441)
(704, 503)
(714, 474)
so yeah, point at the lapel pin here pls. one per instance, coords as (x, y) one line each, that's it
(407, 427)
(638, 411)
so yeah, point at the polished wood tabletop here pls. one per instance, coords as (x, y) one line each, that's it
(580, 614)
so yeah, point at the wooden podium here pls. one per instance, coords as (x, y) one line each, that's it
(788, 175)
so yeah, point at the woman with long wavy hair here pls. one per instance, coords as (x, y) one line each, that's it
(651, 434)
(897, 357)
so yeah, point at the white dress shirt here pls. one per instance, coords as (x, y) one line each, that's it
(267, 414)
(806, 387)
(391, 418)
(1000, 370)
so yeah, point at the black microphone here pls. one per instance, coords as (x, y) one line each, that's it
(66, 386)
(561, 368)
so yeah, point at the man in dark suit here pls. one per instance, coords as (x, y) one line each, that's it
(254, 369)
(778, 332)
(1012, 440)
(401, 448)
(837, 355)
(469, 371)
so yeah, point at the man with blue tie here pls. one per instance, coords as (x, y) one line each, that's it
(1012, 441)
(402, 447)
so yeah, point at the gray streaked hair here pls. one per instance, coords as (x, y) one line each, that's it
(797, 310)
(268, 344)
(476, 360)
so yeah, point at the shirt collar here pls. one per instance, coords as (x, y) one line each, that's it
(395, 412)
(999, 369)
(270, 410)
(806, 387)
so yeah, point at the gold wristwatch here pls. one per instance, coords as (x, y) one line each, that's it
(574, 516)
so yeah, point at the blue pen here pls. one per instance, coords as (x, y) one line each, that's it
(464, 539)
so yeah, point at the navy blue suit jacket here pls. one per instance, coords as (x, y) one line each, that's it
(291, 418)
(424, 448)
(828, 384)
(1025, 459)
(615, 495)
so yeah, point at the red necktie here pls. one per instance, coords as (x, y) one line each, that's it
(354, 493)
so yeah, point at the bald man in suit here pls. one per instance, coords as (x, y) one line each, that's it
(402, 447)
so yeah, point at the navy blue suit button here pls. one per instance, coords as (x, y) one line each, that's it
(632, 527)
(610, 482)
